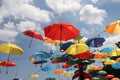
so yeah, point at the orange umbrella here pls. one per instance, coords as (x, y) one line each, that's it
(113, 28)
(58, 72)
(100, 55)
(115, 79)
(48, 40)
(117, 60)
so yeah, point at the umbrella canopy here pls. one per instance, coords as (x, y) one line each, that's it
(7, 63)
(66, 65)
(100, 55)
(107, 50)
(102, 72)
(113, 28)
(78, 48)
(34, 76)
(95, 42)
(81, 41)
(84, 55)
(116, 65)
(10, 48)
(46, 68)
(115, 79)
(66, 45)
(109, 62)
(115, 52)
(48, 40)
(67, 74)
(58, 72)
(109, 76)
(61, 31)
(33, 34)
(80, 36)
(95, 78)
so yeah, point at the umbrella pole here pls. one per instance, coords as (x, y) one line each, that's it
(30, 42)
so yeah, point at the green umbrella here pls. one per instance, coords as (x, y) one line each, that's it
(95, 78)
(102, 72)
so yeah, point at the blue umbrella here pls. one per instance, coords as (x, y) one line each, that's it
(70, 69)
(46, 68)
(40, 62)
(107, 50)
(116, 66)
(95, 42)
(64, 46)
(43, 55)
(53, 77)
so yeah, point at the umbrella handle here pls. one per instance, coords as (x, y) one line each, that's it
(30, 42)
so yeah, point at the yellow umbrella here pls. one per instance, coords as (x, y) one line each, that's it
(109, 62)
(34, 76)
(77, 49)
(10, 48)
(79, 41)
(67, 74)
(113, 28)
(115, 52)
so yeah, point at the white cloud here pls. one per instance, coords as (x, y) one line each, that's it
(8, 32)
(110, 41)
(25, 25)
(61, 6)
(23, 9)
(92, 15)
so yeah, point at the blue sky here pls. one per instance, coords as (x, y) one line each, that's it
(16, 16)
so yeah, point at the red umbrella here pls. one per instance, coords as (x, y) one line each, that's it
(66, 65)
(7, 63)
(84, 55)
(33, 34)
(109, 76)
(61, 31)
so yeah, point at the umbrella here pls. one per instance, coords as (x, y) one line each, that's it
(46, 68)
(95, 42)
(102, 72)
(7, 63)
(66, 65)
(115, 79)
(70, 69)
(48, 40)
(33, 34)
(115, 52)
(109, 76)
(95, 78)
(58, 72)
(117, 59)
(100, 55)
(61, 31)
(33, 59)
(113, 28)
(10, 48)
(66, 45)
(67, 74)
(107, 50)
(84, 55)
(109, 62)
(34, 76)
(81, 41)
(116, 65)
(77, 49)
(40, 62)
